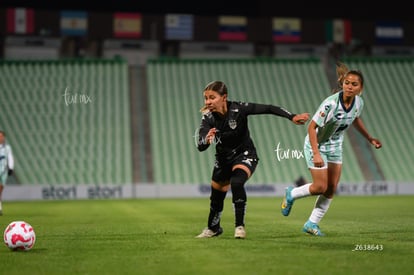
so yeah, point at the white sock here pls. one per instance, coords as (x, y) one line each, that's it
(0, 206)
(301, 191)
(319, 210)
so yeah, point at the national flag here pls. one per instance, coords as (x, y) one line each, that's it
(20, 21)
(339, 31)
(389, 33)
(286, 30)
(232, 28)
(73, 23)
(179, 26)
(127, 25)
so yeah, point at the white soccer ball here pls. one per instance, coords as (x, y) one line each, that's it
(19, 235)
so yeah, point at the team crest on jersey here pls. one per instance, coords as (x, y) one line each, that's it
(232, 124)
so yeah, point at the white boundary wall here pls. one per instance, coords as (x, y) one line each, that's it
(31, 47)
(131, 191)
(135, 52)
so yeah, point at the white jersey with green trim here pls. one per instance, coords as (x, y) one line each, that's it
(6, 158)
(333, 119)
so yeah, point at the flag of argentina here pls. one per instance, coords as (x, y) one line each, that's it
(73, 23)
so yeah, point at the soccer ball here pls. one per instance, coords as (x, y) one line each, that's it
(19, 235)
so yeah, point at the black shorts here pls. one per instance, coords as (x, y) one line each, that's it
(223, 166)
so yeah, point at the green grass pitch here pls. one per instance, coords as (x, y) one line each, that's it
(364, 235)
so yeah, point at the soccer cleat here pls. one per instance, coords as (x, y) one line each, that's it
(312, 229)
(208, 233)
(287, 202)
(240, 232)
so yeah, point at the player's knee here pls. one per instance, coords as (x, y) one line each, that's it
(317, 189)
(217, 199)
(238, 178)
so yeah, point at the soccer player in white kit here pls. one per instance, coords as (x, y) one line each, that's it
(323, 146)
(6, 164)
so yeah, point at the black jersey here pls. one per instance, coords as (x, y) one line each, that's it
(233, 134)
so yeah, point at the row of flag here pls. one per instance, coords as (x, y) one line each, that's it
(181, 27)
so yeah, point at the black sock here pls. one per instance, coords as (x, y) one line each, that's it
(216, 209)
(237, 181)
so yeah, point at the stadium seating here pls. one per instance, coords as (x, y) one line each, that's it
(86, 139)
(68, 121)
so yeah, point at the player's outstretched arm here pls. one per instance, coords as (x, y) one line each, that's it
(360, 126)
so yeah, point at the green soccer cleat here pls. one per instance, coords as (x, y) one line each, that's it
(287, 202)
(312, 229)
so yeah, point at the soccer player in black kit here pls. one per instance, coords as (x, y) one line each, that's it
(224, 123)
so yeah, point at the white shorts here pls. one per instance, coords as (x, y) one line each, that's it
(330, 155)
